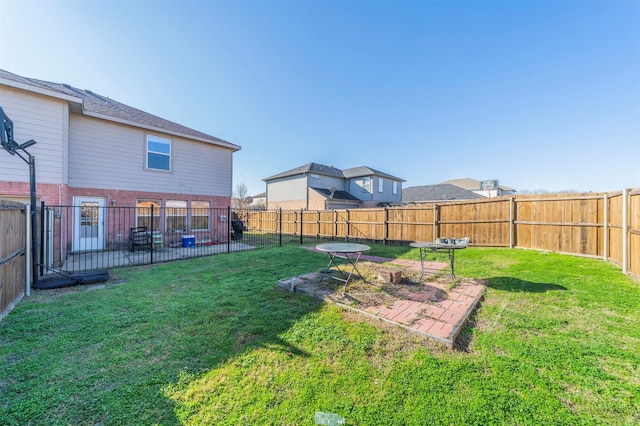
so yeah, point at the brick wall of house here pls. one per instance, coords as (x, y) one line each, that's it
(316, 201)
(120, 198)
(51, 194)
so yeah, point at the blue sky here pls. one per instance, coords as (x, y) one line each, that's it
(541, 95)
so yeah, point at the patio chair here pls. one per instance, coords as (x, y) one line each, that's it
(139, 237)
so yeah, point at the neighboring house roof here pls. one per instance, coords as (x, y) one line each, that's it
(440, 192)
(367, 171)
(93, 104)
(472, 184)
(320, 169)
(260, 195)
(337, 195)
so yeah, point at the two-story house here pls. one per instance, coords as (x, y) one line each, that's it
(315, 186)
(92, 151)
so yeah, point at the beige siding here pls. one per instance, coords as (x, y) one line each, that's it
(355, 189)
(387, 195)
(326, 182)
(112, 156)
(287, 189)
(44, 120)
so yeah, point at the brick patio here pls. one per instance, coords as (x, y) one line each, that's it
(436, 309)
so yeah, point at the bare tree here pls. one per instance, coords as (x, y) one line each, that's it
(240, 199)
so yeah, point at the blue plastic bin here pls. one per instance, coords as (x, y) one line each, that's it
(188, 241)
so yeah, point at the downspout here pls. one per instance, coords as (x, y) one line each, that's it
(307, 189)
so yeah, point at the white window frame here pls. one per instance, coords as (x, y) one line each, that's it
(153, 139)
(198, 209)
(366, 184)
(143, 210)
(395, 188)
(380, 184)
(175, 209)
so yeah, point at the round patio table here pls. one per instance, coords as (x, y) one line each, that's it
(344, 250)
(425, 247)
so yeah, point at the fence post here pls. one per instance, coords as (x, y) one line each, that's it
(348, 227)
(301, 227)
(511, 224)
(27, 251)
(151, 232)
(435, 222)
(625, 229)
(228, 229)
(280, 227)
(385, 235)
(605, 231)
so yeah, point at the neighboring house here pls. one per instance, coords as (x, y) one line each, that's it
(94, 151)
(373, 187)
(259, 201)
(318, 187)
(486, 188)
(436, 193)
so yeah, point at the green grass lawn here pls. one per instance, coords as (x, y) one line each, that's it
(556, 340)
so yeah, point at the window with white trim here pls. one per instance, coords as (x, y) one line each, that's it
(199, 215)
(380, 185)
(176, 213)
(158, 153)
(395, 187)
(366, 184)
(148, 214)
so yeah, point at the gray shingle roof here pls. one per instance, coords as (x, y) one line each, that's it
(440, 192)
(337, 195)
(95, 104)
(320, 169)
(367, 171)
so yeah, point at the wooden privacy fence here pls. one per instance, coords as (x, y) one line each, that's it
(606, 226)
(13, 221)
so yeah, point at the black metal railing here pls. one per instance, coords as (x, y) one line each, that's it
(91, 236)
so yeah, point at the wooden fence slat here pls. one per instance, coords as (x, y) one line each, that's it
(12, 249)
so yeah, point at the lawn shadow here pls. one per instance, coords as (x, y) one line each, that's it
(517, 285)
(165, 333)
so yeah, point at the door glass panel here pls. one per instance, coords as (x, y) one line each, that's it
(88, 220)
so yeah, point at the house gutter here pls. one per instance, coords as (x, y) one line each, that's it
(36, 89)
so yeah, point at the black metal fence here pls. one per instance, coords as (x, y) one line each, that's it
(91, 236)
